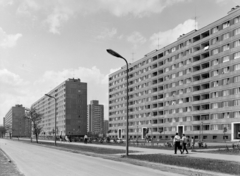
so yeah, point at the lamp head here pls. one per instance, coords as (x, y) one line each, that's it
(110, 51)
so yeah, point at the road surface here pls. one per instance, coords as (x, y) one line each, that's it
(42, 161)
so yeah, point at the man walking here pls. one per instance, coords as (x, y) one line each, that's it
(184, 142)
(177, 143)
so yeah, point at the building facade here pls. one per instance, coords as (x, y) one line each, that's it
(95, 117)
(105, 131)
(16, 124)
(191, 86)
(71, 109)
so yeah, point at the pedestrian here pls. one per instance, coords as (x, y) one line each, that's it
(85, 139)
(177, 140)
(188, 141)
(192, 142)
(184, 144)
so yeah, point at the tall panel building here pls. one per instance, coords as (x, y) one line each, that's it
(95, 117)
(71, 109)
(190, 86)
(16, 123)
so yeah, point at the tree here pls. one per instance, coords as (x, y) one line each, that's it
(35, 118)
(8, 129)
(2, 131)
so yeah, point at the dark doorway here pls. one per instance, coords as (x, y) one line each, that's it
(180, 130)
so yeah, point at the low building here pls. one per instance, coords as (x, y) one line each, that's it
(16, 124)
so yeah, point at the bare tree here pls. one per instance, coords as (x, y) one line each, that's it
(8, 129)
(2, 131)
(35, 118)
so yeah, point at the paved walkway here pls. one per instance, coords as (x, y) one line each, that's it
(155, 151)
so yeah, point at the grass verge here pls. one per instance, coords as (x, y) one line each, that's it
(7, 168)
(191, 162)
(80, 148)
(223, 151)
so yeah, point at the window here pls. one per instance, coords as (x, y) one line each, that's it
(215, 40)
(237, 91)
(226, 36)
(214, 30)
(236, 79)
(237, 67)
(226, 115)
(226, 70)
(215, 72)
(237, 43)
(173, 49)
(226, 58)
(236, 20)
(226, 24)
(215, 83)
(214, 94)
(237, 114)
(215, 105)
(215, 62)
(215, 51)
(226, 47)
(215, 127)
(236, 55)
(167, 69)
(237, 31)
(215, 116)
(236, 102)
(225, 104)
(181, 82)
(226, 81)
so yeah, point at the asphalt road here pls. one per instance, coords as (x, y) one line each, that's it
(42, 161)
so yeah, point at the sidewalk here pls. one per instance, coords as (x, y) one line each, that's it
(142, 151)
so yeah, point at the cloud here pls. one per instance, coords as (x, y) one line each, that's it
(224, 2)
(107, 33)
(164, 38)
(8, 40)
(57, 12)
(136, 39)
(138, 8)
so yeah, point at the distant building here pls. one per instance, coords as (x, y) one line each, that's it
(2, 131)
(16, 124)
(95, 117)
(105, 131)
(71, 109)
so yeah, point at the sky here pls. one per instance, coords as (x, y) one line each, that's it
(45, 42)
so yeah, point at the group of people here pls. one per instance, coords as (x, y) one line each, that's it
(181, 143)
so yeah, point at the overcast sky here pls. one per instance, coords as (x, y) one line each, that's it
(44, 42)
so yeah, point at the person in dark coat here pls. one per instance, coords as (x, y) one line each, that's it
(177, 140)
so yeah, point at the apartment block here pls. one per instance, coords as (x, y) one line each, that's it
(190, 86)
(105, 131)
(16, 123)
(95, 117)
(71, 109)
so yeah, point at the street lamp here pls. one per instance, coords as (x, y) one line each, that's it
(55, 116)
(119, 56)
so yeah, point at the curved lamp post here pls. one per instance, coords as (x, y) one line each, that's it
(113, 53)
(54, 115)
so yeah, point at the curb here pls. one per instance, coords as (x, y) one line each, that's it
(4, 153)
